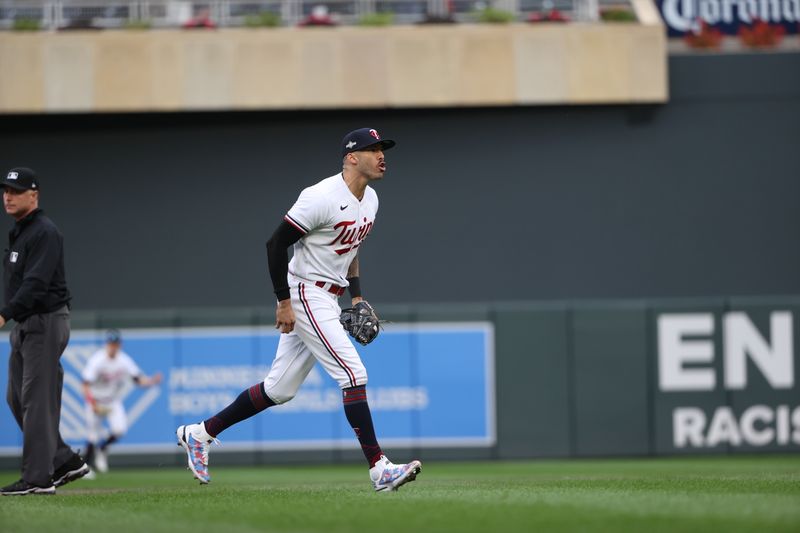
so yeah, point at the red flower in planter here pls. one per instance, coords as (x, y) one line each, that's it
(319, 17)
(554, 15)
(707, 37)
(761, 34)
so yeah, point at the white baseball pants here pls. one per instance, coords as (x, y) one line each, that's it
(116, 417)
(317, 336)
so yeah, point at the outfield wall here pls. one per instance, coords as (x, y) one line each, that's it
(504, 381)
(694, 198)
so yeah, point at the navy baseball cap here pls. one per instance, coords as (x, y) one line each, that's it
(22, 179)
(113, 335)
(363, 138)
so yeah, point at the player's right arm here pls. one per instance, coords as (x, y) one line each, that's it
(89, 375)
(278, 260)
(310, 211)
(87, 394)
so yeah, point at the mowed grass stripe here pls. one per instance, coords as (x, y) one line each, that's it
(695, 494)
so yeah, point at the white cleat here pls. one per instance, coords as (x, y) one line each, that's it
(101, 461)
(196, 451)
(387, 476)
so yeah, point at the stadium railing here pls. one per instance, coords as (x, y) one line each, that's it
(62, 14)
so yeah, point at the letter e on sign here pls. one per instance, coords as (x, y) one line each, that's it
(674, 350)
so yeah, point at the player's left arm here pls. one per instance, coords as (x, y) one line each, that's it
(136, 374)
(360, 320)
(143, 380)
(355, 283)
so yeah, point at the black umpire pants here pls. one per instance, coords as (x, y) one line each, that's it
(35, 380)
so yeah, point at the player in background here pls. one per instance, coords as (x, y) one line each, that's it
(326, 226)
(106, 378)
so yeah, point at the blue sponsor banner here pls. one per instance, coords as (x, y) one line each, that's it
(684, 16)
(429, 385)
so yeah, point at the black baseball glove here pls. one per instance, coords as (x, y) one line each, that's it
(361, 322)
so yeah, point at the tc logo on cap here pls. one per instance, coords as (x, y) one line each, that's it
(12, 175)
(374, 133)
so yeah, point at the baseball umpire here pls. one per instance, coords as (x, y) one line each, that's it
(37, 299)
(326, 226)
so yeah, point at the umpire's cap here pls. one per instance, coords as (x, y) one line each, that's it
(113, 336)
(363, 138)
(22, 179)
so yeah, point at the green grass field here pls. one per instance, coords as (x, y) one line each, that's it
(697, 494)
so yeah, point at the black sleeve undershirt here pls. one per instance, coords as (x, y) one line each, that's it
(278, 257)
(354, 287)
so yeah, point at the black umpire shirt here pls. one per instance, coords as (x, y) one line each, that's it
(33, 276)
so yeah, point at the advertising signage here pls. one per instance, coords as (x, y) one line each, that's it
(684, 16)
(430, 385)
(727, 381)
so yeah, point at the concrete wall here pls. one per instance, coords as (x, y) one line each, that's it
(289, 68)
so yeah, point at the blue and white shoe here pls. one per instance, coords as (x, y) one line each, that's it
(387, 476)
(196, 450)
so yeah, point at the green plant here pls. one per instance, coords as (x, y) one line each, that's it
(493, 15)
(617, 14)
(377, 19)
(138, 24)
(26, 24)
(265, 19)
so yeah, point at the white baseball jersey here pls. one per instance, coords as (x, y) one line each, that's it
(109, 378)
(334, 224)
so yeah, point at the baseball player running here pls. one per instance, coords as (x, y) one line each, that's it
(326, 226)
(106, 378)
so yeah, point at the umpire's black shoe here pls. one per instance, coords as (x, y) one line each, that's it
(73, 469)
(21, 488)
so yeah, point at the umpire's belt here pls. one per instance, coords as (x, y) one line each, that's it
(330, 287)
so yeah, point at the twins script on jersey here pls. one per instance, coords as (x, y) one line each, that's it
(334, 224)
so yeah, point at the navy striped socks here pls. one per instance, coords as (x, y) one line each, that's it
(254, 400)
(356, 409)
(250, 402)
